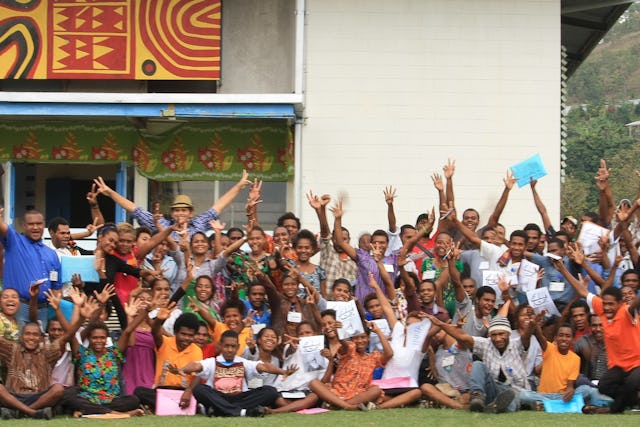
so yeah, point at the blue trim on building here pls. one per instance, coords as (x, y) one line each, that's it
(121, 188)
(274, 111)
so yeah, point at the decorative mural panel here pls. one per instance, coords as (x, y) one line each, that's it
(116, 39)
(193, 152)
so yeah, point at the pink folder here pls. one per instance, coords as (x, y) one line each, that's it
(398, 382)
(168, 403)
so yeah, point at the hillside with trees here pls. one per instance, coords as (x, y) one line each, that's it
(604, 96)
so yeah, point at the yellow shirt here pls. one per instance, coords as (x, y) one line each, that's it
(221, 328)
(557, 369)
(168, 353)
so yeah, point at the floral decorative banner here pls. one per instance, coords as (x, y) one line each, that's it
(114, 39)
(209, 151)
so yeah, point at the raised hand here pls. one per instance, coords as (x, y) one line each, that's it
(449, 169)
(325, 199)
(538, 320)
(336, 210)
(456, 252)
(576, 253)
(373, 327)
(52, 299)
(132, 308)
(437, 181)
(249, 227)
(314, 201)
(447, 211)
(255, 191)
(251, 343)
(77, 297)
(107, 292)
(165, 312)
(377, 253)
(604, 242)
(101, 187)
(89, 308)
(584, 280)
(389, 194)
(216, 225)
(462, 319)
(244, 180)
(193, 304)
(622, 213)
(602, 176)
(34, 291)
(532, 183)
(372, 282)
(290, 340)
(503, 284)
(509, 180)
(92, 195)
(91, 228)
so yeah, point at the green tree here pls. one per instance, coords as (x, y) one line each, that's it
(573, 197)
(596, 133)
(623, 180)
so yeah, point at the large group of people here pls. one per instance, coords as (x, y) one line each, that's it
(240, 322)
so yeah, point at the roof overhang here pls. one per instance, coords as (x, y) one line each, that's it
(584, 23)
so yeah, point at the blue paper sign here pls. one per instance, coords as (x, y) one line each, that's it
(531, 168)
(558, 406)
(82, 265)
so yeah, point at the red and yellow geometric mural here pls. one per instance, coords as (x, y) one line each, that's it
(116, 39)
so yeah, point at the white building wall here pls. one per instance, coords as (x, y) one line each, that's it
(394, 88)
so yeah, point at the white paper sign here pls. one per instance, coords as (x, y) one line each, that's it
(374, 339)
(417, 333)
(590, 233)
(257, 327)
(490, 278)
(310, 348)
(294, 317)
(347, 313)
(540, 299)
(527, 276)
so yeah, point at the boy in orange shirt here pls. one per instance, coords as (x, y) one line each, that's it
(560, 369)
(179, 350)
(622, 340)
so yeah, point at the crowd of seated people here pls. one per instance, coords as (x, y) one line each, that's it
(442, 312)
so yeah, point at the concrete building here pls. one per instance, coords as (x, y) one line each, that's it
(374, 93)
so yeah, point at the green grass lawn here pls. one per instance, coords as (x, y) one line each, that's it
(389, 418)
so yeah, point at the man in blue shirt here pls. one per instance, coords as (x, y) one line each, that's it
(29, 260)
(560, 290)
(256, 306)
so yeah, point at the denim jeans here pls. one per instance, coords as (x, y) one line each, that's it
(483, 381)
(590, 395)
(22, 316)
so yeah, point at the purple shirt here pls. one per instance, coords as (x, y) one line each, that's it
(367, 264)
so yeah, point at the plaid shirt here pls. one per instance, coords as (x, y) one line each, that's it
(29, 372)
(512, 361)
(198, 223)
(335, 266)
